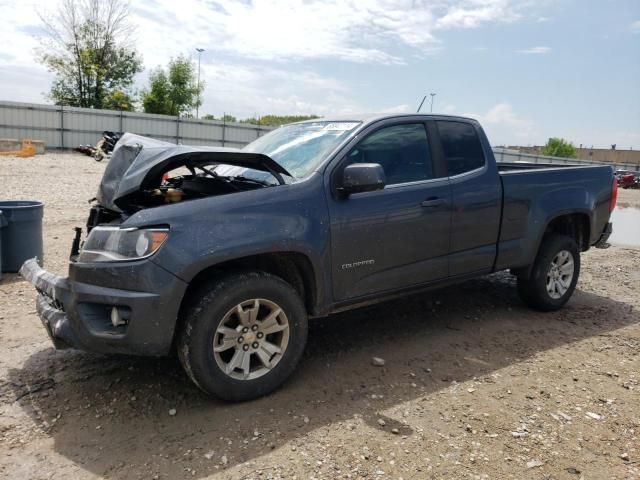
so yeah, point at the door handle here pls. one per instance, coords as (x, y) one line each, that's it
(432, 202)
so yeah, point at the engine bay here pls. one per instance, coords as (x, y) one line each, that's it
(189, 182)
(200, 182)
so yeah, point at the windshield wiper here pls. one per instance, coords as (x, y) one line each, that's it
(250, 180)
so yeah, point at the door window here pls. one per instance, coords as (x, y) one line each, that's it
(461, 146)
(401, 150)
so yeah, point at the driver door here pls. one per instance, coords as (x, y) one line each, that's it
(396, 237)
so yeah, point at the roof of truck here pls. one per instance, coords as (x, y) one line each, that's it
(374, 117)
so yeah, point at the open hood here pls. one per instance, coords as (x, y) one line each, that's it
(137, 162)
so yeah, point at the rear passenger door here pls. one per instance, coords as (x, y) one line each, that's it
(476, 197)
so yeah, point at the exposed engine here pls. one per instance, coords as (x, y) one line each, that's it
(176, 189)
(145, 173)
(191, 187)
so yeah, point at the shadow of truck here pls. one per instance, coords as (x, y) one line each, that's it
(114, 411)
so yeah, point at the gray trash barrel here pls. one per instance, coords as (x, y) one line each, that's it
(21, 237)
(3, 223)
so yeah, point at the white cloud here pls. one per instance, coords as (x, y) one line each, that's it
(536, 50)
(281, 30)
(253, 89)
(404, 108)
(448, 109)
(257, 53)
(20, 83)
(636, 26)
(542, 19)
(472, 14)
(503, 126)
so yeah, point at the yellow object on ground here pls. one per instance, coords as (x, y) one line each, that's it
(27, 150)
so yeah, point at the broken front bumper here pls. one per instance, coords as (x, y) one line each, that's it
(76, 311)
(52, 289)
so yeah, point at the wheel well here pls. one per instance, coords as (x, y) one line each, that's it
(575, 225)
(294, 268)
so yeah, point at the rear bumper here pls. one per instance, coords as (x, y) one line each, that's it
(77, 314)
(604, 237)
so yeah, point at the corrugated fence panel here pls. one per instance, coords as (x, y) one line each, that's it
(27, 120)
(506, 155)
(161, 127)
(83, 126)
(68, 127)
(193, 132)
(243, 134)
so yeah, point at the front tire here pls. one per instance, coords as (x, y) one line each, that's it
(243, 335)
(554, 275)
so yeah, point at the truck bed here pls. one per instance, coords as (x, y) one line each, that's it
(518, 166)
(534, 193)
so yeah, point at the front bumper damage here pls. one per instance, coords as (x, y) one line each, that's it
(77, 314)
(51, 292)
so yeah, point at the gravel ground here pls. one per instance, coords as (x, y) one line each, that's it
(474, 385)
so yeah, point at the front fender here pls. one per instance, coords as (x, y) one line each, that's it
(214, 230)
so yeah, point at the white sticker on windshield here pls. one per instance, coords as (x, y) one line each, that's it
(340, 126)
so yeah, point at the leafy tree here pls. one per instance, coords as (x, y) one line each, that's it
(174, 91)
(86, 48)
(228, 118)
(224, 118)
(277, 120)
(119, 100)
(559, 147)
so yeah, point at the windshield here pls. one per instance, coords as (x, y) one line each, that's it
(300, 148)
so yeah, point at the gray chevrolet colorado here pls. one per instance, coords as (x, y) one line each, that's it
(224, 254)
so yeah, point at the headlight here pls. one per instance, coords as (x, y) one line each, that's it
(113, 244)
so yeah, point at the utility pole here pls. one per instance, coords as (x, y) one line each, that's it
(432, 95)
(199, 50)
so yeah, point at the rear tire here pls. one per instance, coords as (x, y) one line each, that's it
(554, 275)
(243, 335)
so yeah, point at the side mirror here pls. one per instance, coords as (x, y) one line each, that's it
(362, 177)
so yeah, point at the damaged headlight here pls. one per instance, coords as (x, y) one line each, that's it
(114, 244)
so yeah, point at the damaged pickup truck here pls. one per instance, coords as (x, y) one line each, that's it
(224, 254)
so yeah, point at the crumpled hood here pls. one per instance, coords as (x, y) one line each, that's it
(137, 161)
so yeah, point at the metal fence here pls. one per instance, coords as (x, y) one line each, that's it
(507, 155)
(68, 127)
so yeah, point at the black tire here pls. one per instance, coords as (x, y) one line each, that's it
(533, 290)
(205, 313)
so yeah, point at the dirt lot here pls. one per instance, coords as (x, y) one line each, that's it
(475, 385)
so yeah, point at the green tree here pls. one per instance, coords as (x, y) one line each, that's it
(559, 147)
(277, 120)
(119, 100)
(86, 48)
(224, 118)
(174, 91)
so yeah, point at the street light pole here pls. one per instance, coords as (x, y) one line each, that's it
(199, 50)
(432, 95)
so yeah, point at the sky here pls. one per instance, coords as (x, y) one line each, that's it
(528, 69)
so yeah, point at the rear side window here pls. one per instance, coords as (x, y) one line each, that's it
(401, 150)
(461, 145)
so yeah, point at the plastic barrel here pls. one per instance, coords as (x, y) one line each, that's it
(3, 223)
(21, 237)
